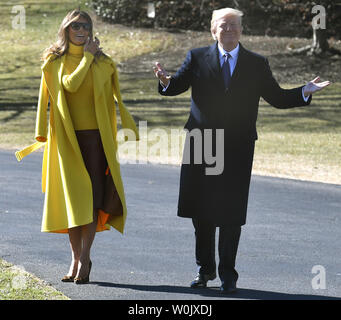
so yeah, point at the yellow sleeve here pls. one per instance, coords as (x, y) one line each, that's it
(73, 81)
(41, 120)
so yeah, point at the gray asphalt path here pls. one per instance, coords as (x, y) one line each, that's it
(292, 226)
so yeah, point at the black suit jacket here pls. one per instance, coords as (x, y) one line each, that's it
(223, 198)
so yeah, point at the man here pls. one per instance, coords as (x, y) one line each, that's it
(227, 82)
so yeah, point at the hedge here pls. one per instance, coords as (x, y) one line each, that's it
(271, 17)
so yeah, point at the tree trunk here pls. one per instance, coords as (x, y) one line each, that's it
(319, 45)
(320, 41)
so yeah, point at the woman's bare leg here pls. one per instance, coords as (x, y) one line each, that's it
(88, 236)
(75, 238)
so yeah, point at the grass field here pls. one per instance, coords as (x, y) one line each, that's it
(300, 143)
(17, 284)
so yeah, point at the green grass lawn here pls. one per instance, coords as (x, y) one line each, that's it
(17, 284)
(301, 143)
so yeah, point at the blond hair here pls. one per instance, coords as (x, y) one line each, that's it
(221, 13)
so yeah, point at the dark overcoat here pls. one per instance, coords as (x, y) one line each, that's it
(222, 198)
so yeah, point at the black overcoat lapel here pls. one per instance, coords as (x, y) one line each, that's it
(213, 64)
(241, 69)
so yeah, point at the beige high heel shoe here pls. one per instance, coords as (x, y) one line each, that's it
(68, 279)
(80, 280)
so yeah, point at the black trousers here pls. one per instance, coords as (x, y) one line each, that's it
(227, 248)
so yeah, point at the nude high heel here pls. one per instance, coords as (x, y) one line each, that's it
(80, 280)
(68, 279)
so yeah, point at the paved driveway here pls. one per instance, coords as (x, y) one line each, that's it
(292, 227)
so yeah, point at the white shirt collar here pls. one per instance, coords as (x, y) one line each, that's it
(233, 53)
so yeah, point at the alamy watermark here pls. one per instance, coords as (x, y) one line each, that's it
(319, 21)
(19, 18)
(159, 146)
(318, 281)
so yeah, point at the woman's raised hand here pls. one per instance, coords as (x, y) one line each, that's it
(92, 46)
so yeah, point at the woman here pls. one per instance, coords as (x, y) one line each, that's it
(81, 175)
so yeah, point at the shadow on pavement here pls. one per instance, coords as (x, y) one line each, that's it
(215, 293)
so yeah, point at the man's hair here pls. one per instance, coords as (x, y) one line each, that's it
(220, 13)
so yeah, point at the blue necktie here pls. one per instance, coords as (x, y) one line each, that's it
(225, 68)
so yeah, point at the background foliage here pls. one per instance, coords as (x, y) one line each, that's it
(270, 17)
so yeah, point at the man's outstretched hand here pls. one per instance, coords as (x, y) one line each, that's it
(314, 85)
(161, 73)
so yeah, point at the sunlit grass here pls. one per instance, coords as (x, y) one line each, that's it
(300, 143)
(21, 50)
(17, 284)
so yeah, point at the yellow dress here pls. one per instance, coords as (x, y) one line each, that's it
(65, 181)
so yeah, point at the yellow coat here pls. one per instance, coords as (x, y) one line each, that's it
(65, 180)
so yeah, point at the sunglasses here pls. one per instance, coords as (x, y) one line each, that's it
(78, 25)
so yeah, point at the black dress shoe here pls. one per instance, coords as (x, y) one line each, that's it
(200, 281)
(228, 287)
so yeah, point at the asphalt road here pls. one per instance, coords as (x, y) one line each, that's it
(292, 226)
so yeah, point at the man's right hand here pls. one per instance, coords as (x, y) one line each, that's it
(161, 73)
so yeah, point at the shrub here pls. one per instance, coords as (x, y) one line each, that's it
(271, 17)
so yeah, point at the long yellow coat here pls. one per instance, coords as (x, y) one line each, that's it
(65, 180)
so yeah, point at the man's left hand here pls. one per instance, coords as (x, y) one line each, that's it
(314, 85)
